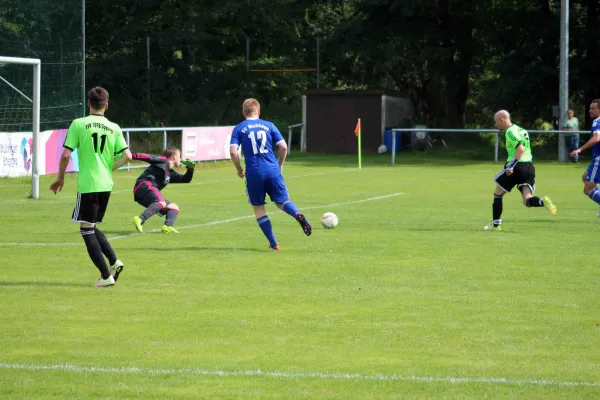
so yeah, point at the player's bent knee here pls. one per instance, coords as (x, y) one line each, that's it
(173, 206)
(162, 204)
(86, 225)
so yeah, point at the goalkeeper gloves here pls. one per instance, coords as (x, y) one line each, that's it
(189, 164)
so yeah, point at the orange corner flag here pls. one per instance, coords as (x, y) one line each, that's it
(357, 129)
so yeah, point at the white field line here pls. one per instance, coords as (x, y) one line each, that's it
(294, 375)
(223, 221)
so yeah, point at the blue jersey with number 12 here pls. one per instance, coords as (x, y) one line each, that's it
(259, 139)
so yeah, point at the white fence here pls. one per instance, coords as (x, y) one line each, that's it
(427, 137)
(219, 137)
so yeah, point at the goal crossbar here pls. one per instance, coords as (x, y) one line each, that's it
(37, 66)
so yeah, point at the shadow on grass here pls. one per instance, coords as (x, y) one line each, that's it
(120, 233)
(43, 284)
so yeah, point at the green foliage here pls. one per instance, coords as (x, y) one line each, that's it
(459, 60)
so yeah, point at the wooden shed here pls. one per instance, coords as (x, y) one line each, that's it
(330, 116)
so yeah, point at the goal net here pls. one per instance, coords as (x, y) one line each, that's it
(20, 150)
(53, 32)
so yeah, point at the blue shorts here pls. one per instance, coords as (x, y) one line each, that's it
(258, 188)
(593, 171)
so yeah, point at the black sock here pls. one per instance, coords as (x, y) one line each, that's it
(107, 249)
(171, 216)
(497, 210)
(150, 211)
(534, 202)
(95, 251)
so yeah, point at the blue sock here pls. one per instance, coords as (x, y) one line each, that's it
(267, 228)
(290, 208)
(595, 195)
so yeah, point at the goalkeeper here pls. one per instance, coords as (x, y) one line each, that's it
(154, 179)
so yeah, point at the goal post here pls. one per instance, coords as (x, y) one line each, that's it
(35, 126)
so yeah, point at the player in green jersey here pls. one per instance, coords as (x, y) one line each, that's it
(98, 143)
(518, 170)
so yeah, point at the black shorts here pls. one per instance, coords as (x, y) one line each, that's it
(90, 207)
(146, 194)
(523, 175)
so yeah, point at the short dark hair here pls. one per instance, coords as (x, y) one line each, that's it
(98, 97)
(170, 151)
(597, 101)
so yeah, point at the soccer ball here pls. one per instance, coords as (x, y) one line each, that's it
(329, 220)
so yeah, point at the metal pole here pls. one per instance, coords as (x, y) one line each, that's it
(564, 77)
(496, 147)
(304, 128)
(290, 140)
(83, 97)
(35, 170)
(318, 62)
(393, 147)
(247, 53)
(164, 140)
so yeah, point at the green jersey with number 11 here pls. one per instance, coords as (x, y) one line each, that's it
(97, 141)
(515, 135)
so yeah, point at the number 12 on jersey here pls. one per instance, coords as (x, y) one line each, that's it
(260, 136)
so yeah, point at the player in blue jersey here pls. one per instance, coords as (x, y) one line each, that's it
(258, 139)
(591, 177)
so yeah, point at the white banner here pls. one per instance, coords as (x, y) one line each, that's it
(206, 143)
(15, 154)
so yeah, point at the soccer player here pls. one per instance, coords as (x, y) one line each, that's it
(591, 177)
(98, 142)
(263, 170)
(147, 188)
(518, 170)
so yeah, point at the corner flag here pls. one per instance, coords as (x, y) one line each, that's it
(357, 132)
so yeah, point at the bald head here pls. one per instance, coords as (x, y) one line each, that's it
(502, 119)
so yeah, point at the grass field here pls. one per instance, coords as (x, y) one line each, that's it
(407, 298)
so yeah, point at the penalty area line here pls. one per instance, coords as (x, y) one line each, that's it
(295, 375)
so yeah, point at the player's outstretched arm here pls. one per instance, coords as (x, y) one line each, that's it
(150, 159)
(126, 156)
(176, 177)
(590, 143)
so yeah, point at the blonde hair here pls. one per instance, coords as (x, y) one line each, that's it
(250, 107)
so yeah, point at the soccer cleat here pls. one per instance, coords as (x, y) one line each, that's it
(549, 205)
(276, 247)
(304, 223)
(497, 228)
(168, 229)
(116, 269)
(137, 222)
(105, 282)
